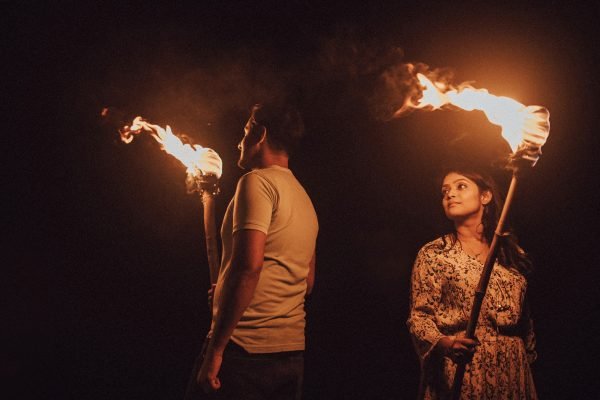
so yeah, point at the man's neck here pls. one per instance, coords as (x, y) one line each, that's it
(271, 159)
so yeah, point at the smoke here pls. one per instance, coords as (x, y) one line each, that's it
(378, 74)
(345, 55)
(210, 94)
(207, 94)
(207, 99)
(380, 77)
(368, 72)
(167, 84)
(375, 72)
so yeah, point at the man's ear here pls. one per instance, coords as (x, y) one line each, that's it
(263, 133)
(257, 134)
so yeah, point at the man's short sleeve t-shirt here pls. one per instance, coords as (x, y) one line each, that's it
(272, 201)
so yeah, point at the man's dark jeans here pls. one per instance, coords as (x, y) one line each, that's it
(247, 376)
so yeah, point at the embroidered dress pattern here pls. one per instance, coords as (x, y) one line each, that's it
(444, 280)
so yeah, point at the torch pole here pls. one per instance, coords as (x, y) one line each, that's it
(483, 282)
(210, 233)
(207, 185)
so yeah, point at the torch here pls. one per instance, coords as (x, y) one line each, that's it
(525, 156)
(207, 185)
(204, 168)
(525, 128)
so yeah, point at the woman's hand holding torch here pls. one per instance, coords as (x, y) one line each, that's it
(457, 348)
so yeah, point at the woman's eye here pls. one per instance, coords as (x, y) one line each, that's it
(461, 186)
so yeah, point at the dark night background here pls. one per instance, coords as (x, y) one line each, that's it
(105, 275)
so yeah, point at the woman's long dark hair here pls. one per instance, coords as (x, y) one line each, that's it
(510, 254)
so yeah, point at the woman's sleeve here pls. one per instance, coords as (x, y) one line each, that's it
(426, 293)
(528, 333)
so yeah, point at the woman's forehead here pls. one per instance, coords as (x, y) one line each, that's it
(454, 177)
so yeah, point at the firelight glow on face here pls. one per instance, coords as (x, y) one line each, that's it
(461, 197)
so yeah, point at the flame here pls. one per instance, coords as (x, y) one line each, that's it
(519, 123)
(197, 159)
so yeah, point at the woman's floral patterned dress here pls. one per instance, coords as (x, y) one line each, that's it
(444, 279)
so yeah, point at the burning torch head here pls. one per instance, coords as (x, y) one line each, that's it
(525, 128)
(536, 128)
(205, 174)
(208, 162)
(204, 166)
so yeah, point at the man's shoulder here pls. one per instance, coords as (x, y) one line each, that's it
(256, 176)
(259, 183)
(272, 176)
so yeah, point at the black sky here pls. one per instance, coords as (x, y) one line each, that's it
(106, 269)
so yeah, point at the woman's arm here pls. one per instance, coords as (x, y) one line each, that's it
(425, 297)
(528, 334)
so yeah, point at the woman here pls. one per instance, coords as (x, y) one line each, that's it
(444, 278)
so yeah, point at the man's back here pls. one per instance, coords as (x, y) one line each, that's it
(271, 200)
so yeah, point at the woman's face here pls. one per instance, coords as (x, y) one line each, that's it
(462, 199)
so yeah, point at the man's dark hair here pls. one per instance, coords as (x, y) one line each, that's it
(284, 125)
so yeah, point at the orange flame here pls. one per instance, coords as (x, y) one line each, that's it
(519, 123)
(195, 158)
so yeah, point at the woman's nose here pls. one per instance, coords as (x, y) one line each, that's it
(239, 146)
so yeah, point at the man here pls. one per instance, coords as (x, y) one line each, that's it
(256, 343)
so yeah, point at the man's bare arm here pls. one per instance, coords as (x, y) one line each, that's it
(310, 279)
(246, 266)
(238, 290)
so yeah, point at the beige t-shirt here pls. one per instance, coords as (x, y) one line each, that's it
(271, 200)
